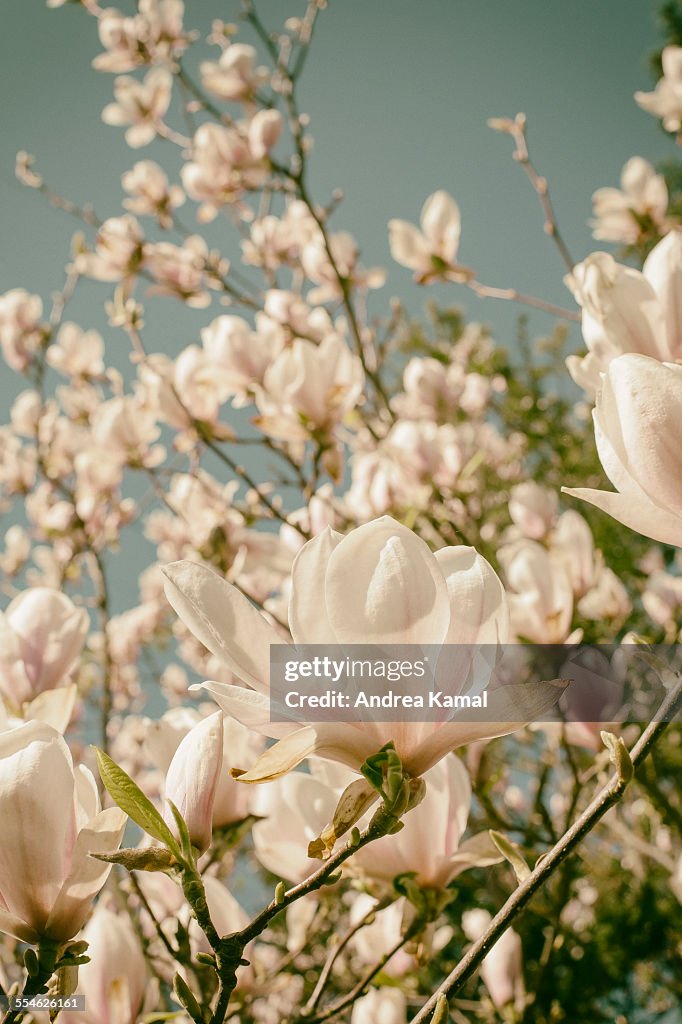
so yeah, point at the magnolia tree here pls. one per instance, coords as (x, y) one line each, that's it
(307, 472)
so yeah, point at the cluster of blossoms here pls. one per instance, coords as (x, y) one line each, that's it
(302, 472)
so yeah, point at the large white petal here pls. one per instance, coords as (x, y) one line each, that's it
(88, 874)
(383, 585)
(308, 618)
(663, 269)
(250, 708)
(640, 515)
(223, 620)
(479, 612)
(36, 802)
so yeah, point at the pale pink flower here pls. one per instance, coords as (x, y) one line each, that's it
(541, 598)
(643, 196)
(180, 270)
(309, 388)
(265, 129)
(241, 355)
(380, 1006)
(533, 509)
(662, 598)
(502, 968)
(150, 192)
(638, 430)
(192, 779)
(379, 584)
(153, 35)
(115, 980)
(234, 75)
(47, 888)
(430, 843)
(118, 251)
(666, 99)
(221, 167)
(628, 311)
(142, 105)
(432, 252)
(21, 333)
(77, 353)
(318, 267)
(42, 636)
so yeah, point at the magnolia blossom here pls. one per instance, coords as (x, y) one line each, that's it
(264, 131)
(628, 311)
(541, 601)
(115, 980)
(192, 779)
(380, 1006)
(222, 165)
(308, 388)
(77, 353)
(234, 75)
(47, 888)
(319, 268)
(240, 355)
(430, 842)
(180, 270)
(153, 35)
(638, 430)
(431, 252)
(294, 810)
(20, 329)
(118, 251)
(642, 197)
(379, 584)
(231, 802)
(533, 509)
(502, 968)
(666, 99)
(42, 634)
(150, 192)
(142, 105)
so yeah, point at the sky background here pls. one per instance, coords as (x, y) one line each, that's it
(399, 92)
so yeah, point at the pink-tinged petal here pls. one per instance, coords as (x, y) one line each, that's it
(192, 779)
(479, 612)
(441, 223)
(663, 269)
(512, 706)
(640, 514)
(14, 926)
(36, 800)
(383, 585)
(223, 620)
(87, 875)
(248, 707)
(408, 245)
(308, 618)
(51, 631)
(53, 707)
(639, 410)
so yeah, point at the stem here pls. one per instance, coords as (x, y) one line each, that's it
(36, 985)
(486, 291)
(611, 793)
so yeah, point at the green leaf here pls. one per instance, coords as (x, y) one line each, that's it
(511, 852)
(442, 1013)
(185, 840)
(136, 805)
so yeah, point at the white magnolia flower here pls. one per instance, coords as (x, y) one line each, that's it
(431, 252)
(142, 105)
(620, 212)
(380, 584)
(666, 99)
(638, 430)
(625, 310)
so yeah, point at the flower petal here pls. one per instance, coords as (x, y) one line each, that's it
(640, 515)
(223, 620)
(383, 585)
(308, 618)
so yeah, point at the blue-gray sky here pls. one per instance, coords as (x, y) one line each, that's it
(398, 92)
